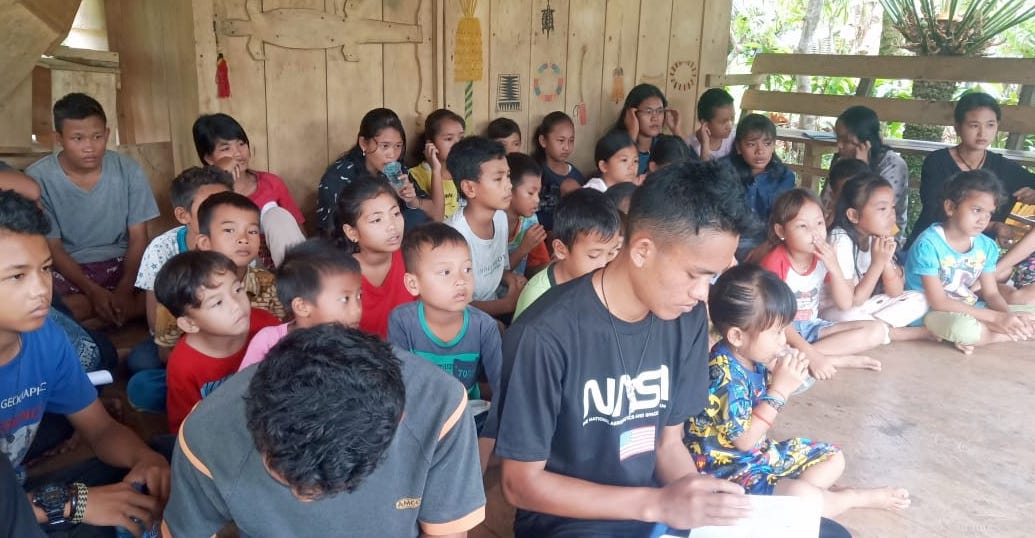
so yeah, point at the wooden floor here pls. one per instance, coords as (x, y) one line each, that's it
(957, 432)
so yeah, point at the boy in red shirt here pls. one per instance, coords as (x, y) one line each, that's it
(202, 290)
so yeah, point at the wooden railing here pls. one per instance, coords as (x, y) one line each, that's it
(1017, 120)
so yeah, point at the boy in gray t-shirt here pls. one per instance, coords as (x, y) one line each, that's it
(442, 326)
(98, 203)
(388, 450)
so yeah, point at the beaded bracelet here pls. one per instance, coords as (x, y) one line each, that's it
(78, 503)
(775, 402)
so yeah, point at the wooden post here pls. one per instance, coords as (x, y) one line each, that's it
(1027, 97)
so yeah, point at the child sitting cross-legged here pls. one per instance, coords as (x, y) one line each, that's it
(798, 252)
(441, 326)
(753, 373)
(228, 223)
(479, 167)
(319, 283)
(40, 372)
(949, 260)
(527, 237)
(863, 238)
(587, 235)
(98, 203)
(189, 189)
(208, 299)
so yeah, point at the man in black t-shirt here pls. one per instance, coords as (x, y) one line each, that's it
(601, 373)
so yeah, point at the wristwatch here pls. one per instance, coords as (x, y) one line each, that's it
(52, 499)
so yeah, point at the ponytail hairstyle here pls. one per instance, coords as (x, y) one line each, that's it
(544, 129)
(432, 127)
(751, 299)
(350, 206)
(373, 122)
(754, 124)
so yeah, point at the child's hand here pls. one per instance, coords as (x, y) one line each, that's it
(672, 121)
(407, 192)
(639, 179)
(231, 166)
(122, 301)
(1013, 325)
(789, 372)
(862, 151)
(515, 283)
(632, 123)
(882, 250)
(431, 155)
(826, 254)
(533, 237)
(103, 303)
(704, 136)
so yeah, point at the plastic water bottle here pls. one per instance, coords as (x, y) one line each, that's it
(154, 532)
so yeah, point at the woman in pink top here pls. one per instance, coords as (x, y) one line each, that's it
(221, 141)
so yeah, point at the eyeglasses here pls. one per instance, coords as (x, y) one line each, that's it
(652, 111)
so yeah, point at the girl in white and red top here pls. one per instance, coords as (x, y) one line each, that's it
(798, 252)
(863, 238)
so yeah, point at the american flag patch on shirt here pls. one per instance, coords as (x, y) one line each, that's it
(635, 441)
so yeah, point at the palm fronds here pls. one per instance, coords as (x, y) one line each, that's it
(955, 27)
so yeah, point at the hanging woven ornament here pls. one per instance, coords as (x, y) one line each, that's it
(468, 63)
(222, 77)
(618, 74)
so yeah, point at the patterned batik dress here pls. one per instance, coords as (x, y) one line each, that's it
(733, 392)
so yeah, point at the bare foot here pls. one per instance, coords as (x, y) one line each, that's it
(856, 361)
(967, 350)
(893, 499)
(821, 367)
(902, 334)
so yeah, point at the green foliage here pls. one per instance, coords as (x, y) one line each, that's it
(952, 28)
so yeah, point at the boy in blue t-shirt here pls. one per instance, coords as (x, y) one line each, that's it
(39, 372)
(441, 325)
(98, 203)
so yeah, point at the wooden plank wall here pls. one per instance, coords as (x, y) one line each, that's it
(301, 108)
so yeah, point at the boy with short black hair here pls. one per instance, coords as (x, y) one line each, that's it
(479, 168)
(189, 189)
(40, 372)
(389, 446)
(98, 203)
(587, 231)
(638, 323)
(440, 325)
(207, 298)
(228, 223)
(505, 131)
(318, 283)
(221, 141)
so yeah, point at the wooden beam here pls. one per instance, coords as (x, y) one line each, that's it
(946, 68)
(1015, 118)
(734, 79)
(99, 58)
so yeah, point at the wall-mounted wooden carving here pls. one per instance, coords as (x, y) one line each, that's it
(296, 28)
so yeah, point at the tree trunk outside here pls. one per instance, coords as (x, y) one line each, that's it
(935, 91)
(813, 12)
